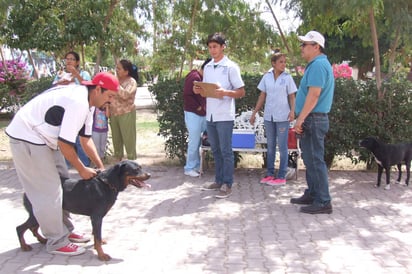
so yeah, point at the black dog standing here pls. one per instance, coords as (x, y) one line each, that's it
(387, 155)
(93, 197)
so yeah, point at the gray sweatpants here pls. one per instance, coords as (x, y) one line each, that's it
(39, 169)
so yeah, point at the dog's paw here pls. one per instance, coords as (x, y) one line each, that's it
(397, 182)
(376, 186)
(26, 247)
(387, 187)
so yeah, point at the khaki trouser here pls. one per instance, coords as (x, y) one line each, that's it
(39, 169)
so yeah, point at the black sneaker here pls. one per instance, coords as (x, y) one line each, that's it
(317, 209)
(302, 200)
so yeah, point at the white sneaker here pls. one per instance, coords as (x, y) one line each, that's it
(192, 173)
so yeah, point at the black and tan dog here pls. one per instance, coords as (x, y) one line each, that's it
(92, 198)
(387, 155)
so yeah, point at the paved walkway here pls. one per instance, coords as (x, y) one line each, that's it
(177, 228)
(144, 99)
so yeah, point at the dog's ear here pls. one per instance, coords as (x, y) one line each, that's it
(111, 174)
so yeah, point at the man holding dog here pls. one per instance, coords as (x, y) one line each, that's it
(48, 123)
(313, 103)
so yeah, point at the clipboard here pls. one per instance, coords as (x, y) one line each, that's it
(208, 88)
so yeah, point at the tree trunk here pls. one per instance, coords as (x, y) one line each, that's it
(106, 21)
(374, 35)
(285, 42)
(2, 57)
(154, 7)
(35, 70)
(392, 53)
(188, 37)
(83, 61)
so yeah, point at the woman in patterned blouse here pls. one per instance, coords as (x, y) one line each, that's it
(123, 111)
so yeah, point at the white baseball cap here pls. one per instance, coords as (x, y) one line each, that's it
(313, 36)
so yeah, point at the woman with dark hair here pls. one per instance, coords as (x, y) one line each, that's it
(123, 111)
(278, 96)
(71, 73)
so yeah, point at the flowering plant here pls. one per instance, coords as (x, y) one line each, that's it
(13, 78)
(342, 71)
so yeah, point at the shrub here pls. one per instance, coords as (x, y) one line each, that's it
(169, 96)
(356, 113)
(35, 87)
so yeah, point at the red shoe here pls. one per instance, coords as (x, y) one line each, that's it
(266, 179)
(69, 250)
(276, 182)
(76, 238)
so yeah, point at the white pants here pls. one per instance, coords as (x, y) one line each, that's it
(39, 169)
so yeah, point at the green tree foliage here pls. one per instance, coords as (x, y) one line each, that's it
(181, 33)
(61, 25)
(34, 24)
(347, 27)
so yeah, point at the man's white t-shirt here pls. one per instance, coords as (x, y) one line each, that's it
(60, 113)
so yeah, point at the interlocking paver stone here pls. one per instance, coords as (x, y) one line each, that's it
(177, 228)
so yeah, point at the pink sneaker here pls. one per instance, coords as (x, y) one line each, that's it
(70, 250)
(276, 182)
(76, 238)
(266, 179)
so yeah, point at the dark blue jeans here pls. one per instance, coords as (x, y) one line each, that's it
(82, 155)
(313, 150)
(219, 135)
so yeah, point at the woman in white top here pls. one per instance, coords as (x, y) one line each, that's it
(278, 94)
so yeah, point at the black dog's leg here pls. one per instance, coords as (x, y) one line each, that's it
(388, 178)
(399, 173)
(21, 229)
(32, 224)
(408, 172)
(380, 170)
(97, 233)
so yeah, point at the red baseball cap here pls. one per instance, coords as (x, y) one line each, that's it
(105, 80)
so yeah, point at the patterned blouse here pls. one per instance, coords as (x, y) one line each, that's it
(123, 102)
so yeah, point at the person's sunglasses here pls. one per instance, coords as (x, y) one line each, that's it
(305, 44)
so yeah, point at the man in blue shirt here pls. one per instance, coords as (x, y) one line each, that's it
(313, 103)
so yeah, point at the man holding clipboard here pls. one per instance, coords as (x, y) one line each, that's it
(220, 111)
